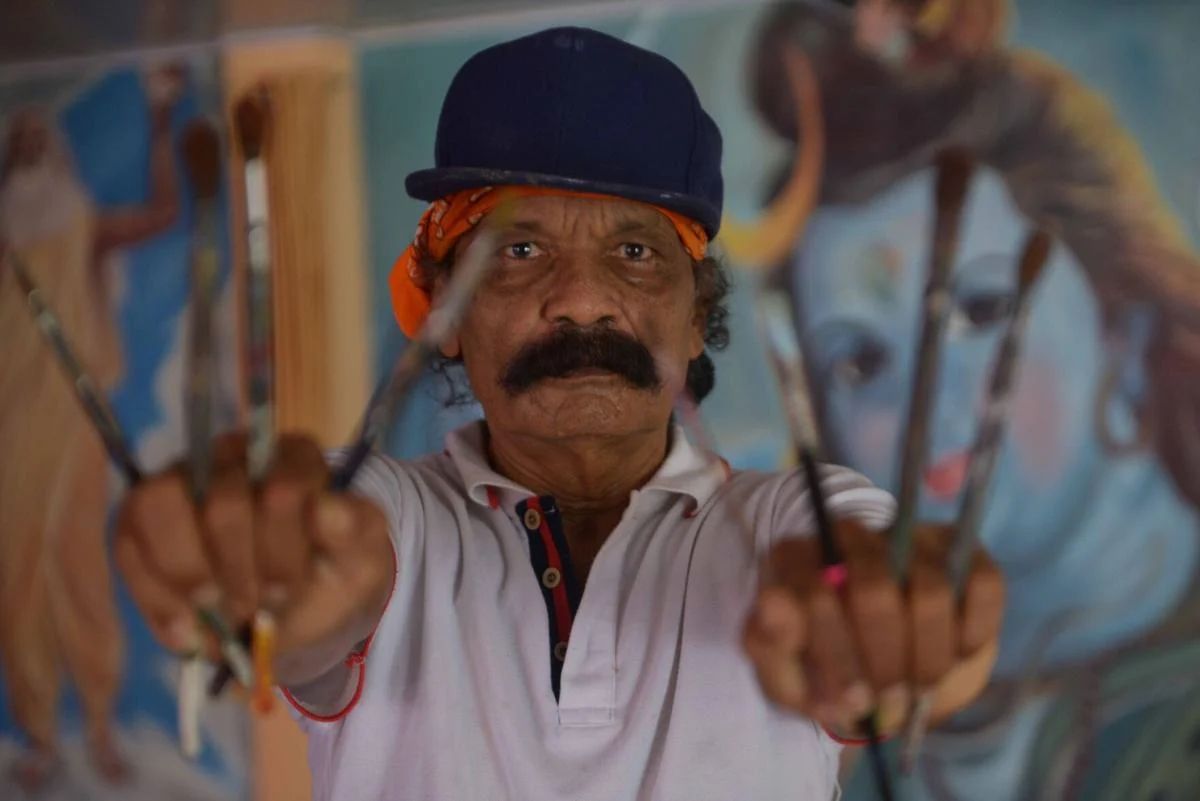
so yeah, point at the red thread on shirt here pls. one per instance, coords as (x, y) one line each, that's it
(354, 659)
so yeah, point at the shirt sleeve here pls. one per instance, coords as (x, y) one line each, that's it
(848, 495)
(388, 484)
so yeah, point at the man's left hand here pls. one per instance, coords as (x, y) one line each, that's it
(836, 655)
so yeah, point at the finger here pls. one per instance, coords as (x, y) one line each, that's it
(982, 607)
(773, 638)
(340, 523)
(228, 528)
(229, 451)
(840, 694)
(875, 608)
(932, 618)
(166, 612)
(160, 518)
(282, 547)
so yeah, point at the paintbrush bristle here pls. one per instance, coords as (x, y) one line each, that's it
(202, 154)
(1033, 258)
(250, 122)
(954, 167)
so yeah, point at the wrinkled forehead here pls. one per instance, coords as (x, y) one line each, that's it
(566, 216)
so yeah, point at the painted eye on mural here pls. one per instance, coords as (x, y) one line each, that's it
(977, 311)
(850, 354)
(862, 364)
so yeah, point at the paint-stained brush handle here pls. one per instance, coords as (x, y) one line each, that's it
(983, 457)
(94, 404)
(954, 169)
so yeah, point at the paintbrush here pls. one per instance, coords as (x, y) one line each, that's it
(778, 329)
(444, 317)
(954, 167)
(251, 124)
(202, 157)
(252, 128)
(984, 451)
(95, 405)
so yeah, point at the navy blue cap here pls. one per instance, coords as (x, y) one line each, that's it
(574, 108)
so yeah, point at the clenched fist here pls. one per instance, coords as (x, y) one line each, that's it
(837, 654)
(321, 562)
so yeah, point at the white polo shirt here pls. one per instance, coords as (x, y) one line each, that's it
(456, 699)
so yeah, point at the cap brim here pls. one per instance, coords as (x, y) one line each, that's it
(438, 182)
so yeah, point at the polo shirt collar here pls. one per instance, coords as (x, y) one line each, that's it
(687, 470)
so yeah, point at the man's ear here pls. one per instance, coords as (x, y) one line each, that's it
(696, 343)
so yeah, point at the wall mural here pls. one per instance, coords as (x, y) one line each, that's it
(833, 116)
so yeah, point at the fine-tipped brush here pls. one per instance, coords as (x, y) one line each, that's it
(251, 124)
(983, 461)
(202, 157)
(252, 127)
(954, 169)
(786, 359)
(465, 278)
(95, 405)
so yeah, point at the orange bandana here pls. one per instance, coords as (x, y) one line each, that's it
(448, 219)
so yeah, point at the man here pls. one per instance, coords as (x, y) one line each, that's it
(57, 608)
(572, 601)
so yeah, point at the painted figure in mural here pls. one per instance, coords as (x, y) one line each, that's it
(1092, 515)
(57, 608)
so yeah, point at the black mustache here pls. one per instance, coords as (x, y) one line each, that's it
(568, 350)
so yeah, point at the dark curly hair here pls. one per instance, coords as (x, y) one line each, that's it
(713, 285)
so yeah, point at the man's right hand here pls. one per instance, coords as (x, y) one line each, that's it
(321, 562)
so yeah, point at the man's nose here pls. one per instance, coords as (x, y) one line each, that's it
(581, 293)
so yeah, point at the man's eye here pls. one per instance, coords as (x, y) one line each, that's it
(635, 251)
(521, 250)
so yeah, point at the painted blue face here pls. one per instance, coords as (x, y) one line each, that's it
(858, 278)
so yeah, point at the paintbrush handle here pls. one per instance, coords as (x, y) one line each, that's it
(953, 178)
(986, 449)
(259, 357)
(380, 412)
(201, 369)
(90, 397)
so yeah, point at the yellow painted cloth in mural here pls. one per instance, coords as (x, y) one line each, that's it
(55, 595)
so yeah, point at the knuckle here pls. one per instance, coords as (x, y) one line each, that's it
(875, 596)
(931, 605)
(282, 496)
(227, 511)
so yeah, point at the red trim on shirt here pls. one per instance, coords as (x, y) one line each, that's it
(493, 497)
(840, 740)
(562, 607)
(354, 659)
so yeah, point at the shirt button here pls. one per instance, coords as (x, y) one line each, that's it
(560, 651)
(532, 519)
(551, 578)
